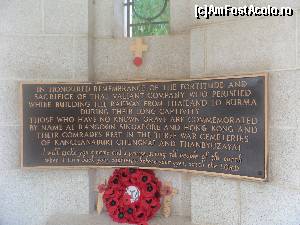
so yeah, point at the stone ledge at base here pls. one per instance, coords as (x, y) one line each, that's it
(103, 219)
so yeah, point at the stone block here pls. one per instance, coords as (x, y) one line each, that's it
(252, 45)
(36, 57)
(263, 203)
(9, 147)
(118, 20)
(104, 18)
(284, 157)
(81, 67)
(93, 190)
(298, 41)
(21, 197)
(18, 16)
(66, 191)
(112, 59)
(9, 101)
(215, 201)
(284, 97)
(66, 16)
(180, 17)
(197, 52)
(167, 58)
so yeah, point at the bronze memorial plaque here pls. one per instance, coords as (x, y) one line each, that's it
(216, 126)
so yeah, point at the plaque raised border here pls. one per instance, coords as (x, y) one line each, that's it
(266, 149)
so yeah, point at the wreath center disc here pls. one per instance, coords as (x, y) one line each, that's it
(134, 193)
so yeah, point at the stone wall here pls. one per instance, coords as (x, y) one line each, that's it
(65, 40)
(232, 46)
(39, 40)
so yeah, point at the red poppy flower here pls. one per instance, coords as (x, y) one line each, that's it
(120, 216)
(112, 205)
(114, 180)
(126, 199)
(150, 190)
(140, 215)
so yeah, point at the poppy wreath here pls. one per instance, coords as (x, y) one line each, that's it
(132, 195)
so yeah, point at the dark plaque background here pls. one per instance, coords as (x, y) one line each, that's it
(214, 125)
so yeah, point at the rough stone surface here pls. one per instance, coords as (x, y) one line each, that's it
(197, 53)
(113, 58)
(28, 197)
(298, 35)
(36, 57)
(103, 219)
(284, 99)
(18, 16)
(104, 18)
(263, 204)
(215, 201)
(180, 19)
(162, 62)
(246, 46)
(66, 16)
(66, 192)
(9, 147)
(118, 23)
(9, 101)
(80, 56)
(21, 197)
(35, 194)
(285, 157)
(251, 45)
